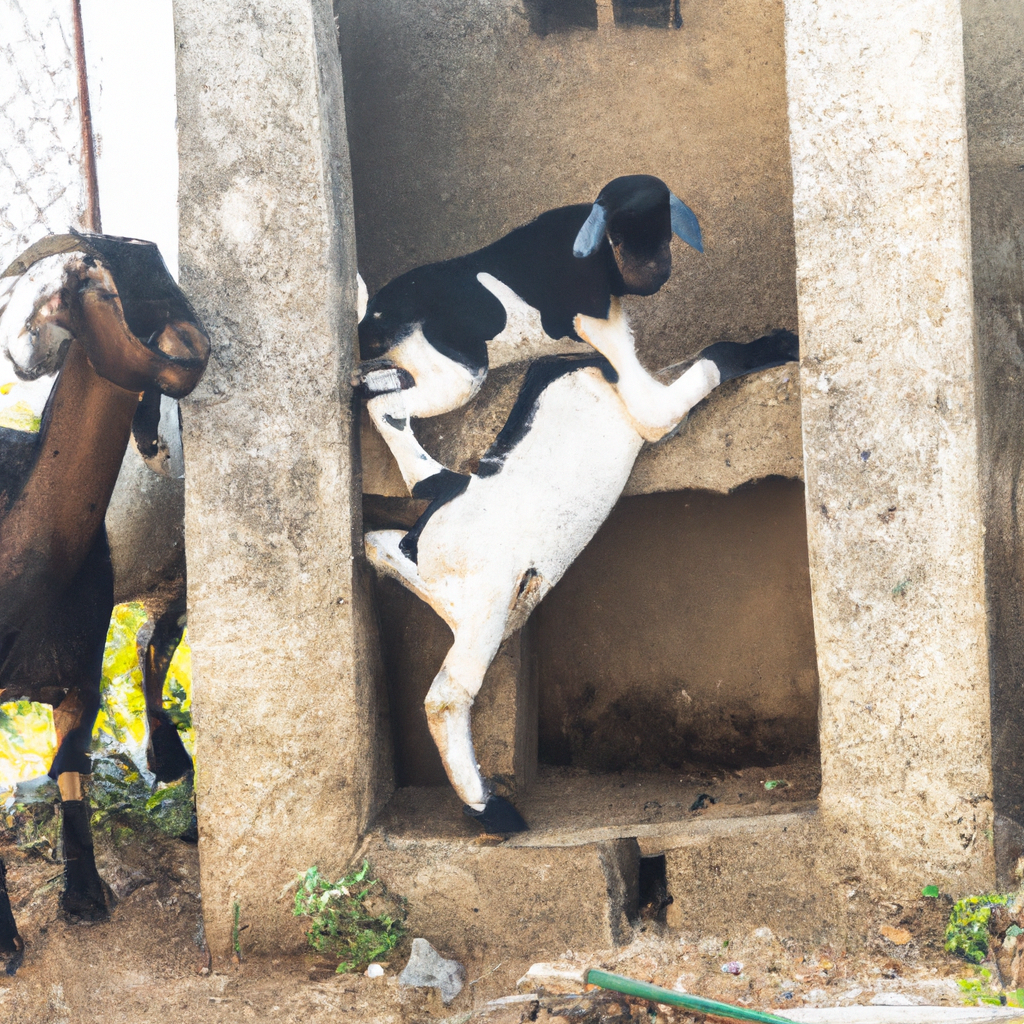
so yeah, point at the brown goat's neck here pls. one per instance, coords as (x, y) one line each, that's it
(50, 528)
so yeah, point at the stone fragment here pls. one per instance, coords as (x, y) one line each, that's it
(428, 969)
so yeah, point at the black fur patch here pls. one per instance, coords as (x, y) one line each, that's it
(541, 373)
(146, 424)
(149, 296)
(441, 488)
(458, 315)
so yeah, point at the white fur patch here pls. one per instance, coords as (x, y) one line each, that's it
(523, 337)
(442, 384)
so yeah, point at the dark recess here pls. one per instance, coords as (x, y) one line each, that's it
(561, 15)
(647, 13)
(654, 898)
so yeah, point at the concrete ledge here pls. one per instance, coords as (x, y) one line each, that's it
(745, 873)
(572, 881)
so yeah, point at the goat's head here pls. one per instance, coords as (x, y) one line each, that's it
(639, 214)
(32, 335)
(119, 300)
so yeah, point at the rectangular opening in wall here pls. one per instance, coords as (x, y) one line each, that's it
(671, 674)
(647, 13)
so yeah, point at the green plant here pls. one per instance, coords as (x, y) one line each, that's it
(967, 931)
(978, 991)
(355, 919)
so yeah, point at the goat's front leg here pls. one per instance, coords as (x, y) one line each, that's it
(391, 418)
(655, 408)
(73, 720)
(448, 705)
(166, 755)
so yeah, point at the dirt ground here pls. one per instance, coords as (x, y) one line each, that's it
(149, 964)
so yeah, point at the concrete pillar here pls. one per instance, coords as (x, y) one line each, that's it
(292, 759)
(994, 72)
(890, 390)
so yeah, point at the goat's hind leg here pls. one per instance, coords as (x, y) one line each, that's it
(83, 897)
(656, 408)
(448, 704)
(166, 755)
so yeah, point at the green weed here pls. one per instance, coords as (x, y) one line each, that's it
(355, 919)
(967, 931)
(979, 991)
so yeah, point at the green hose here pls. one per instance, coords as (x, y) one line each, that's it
(657, 994)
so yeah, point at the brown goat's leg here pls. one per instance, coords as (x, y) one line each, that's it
(83, 895)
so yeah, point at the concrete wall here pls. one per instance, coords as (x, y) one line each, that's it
(465, 121)
(683, 633)
(994, 71)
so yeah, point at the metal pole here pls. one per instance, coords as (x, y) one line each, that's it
(92, 192)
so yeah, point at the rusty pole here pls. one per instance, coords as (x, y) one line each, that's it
(92, 202)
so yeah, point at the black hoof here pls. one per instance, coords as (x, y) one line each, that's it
(84, 906)
(166, 756)
(498, 816)
(191, 833)
(83, 898)
(11, 959)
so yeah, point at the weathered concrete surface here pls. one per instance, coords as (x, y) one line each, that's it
(469, 898)
(746, 873)
(292, 753)
(573, 880)
(683, 633)
(994, 69)
(889, 390)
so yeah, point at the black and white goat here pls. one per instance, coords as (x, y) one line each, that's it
(491, 553)
(428, 337)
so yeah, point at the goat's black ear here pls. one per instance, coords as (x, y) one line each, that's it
(684, 223)
(592, 232)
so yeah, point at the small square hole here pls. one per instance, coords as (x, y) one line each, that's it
(653, 895)
(647, 13)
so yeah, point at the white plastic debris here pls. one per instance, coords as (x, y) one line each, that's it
(906, 1015)
(374, 971)
(557, 979)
